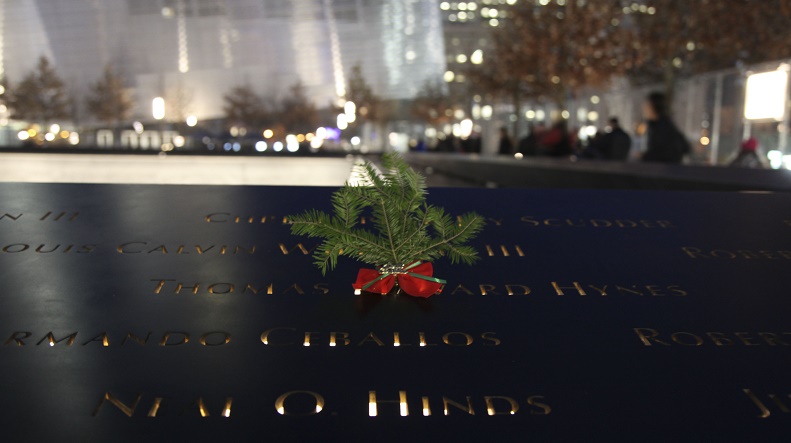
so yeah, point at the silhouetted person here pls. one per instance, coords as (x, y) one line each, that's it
(666, 144)
(530, 146)
(506, 145)
(557, 141)
(748, 155)
(615, 144)
(593, 150)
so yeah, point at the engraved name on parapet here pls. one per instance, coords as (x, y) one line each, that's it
(49, 216)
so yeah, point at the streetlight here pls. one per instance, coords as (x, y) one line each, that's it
(765, 100)
(158, 108)
(158, 112)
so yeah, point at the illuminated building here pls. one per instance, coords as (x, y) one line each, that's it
(466, 31)
(192, 51)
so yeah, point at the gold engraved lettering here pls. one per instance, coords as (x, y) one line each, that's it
(181, 286)
(52, 341)
(126, 248)
(339, 338)
(780, 404)
(17, 338)
(489, 336)
(215, 217)
(544, 408)
(772, 339)
(488, 289)
(238, 249)
(280, 403)
(161, 248)
(446, 402)
(17, 247)
(152, 412)
(127, 410)
(461, 288)
(226, 338)
(202, 251)
(632, 290)
(299, 246)
(131, 336)
(224, 288)
(578, 287)
(491, 410)
(765, 413)
(373, 404)
(677, 337)
(160, 284)
(693, 252)
(746, 340)
(202, 409)
(648, 336)
(719, 339)
(423, 341)
(426, 406)
(510, 289)
(371, 338)
(676, 290)
(267, 341)
(296, 288)
(101, 338)
(467, 339)
(185, 338)
(251, 288)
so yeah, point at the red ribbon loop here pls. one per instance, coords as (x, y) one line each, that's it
(414, 286)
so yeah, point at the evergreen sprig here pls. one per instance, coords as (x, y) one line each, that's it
(407, 228)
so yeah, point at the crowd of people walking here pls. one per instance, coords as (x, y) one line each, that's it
(663, 143)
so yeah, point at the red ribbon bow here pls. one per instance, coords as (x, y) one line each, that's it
(415, 279)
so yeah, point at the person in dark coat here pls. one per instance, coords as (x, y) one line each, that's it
(530, 145)
(748, 155)
(615, 144)
(666, 144)
(506, 145)
(557, 140)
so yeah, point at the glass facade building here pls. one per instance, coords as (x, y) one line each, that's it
(191, 52)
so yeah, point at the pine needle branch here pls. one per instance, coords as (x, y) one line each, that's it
(408, 229)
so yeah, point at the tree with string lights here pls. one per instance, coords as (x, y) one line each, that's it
(679, 38)
(433, 104)
(554, 48)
